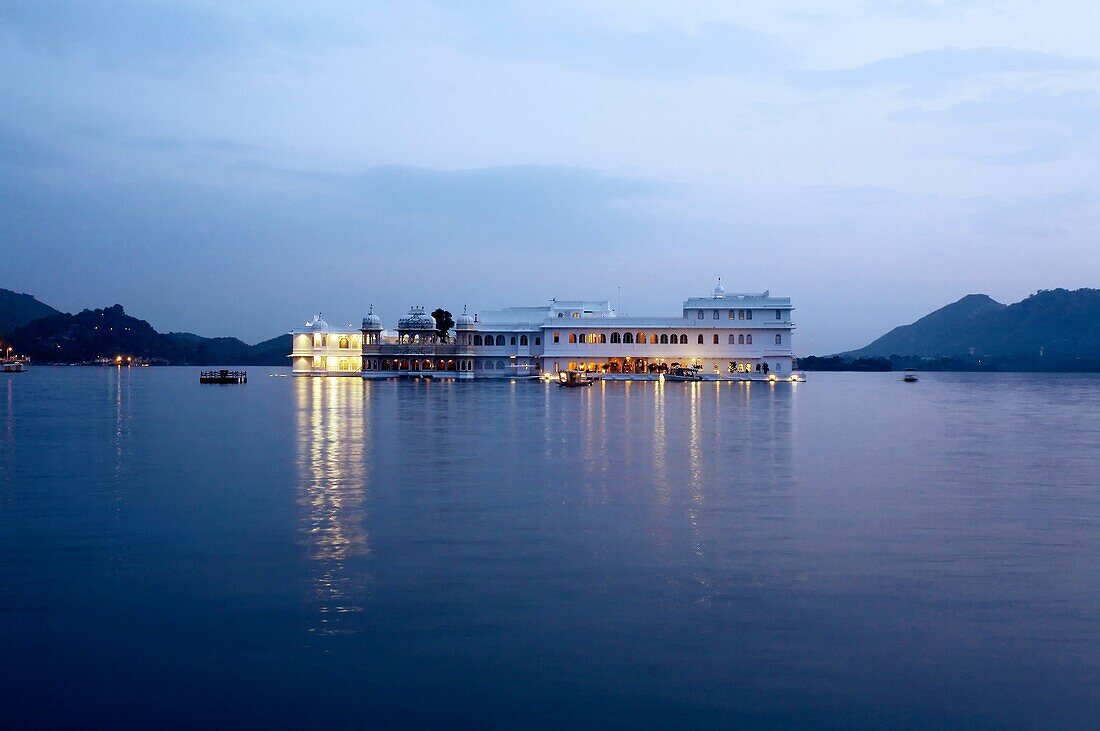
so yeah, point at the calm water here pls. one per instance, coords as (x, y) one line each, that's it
(853, 550)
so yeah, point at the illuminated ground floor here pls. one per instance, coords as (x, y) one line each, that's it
(710, 368)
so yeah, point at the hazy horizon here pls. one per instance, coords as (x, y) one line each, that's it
(231, 170)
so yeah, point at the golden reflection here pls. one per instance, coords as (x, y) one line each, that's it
(333, 437)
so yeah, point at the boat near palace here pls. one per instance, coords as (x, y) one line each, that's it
(683, 373)
(574, 379)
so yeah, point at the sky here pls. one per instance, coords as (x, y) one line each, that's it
(233, 168)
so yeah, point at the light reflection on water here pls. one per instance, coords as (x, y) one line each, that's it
(333, 466)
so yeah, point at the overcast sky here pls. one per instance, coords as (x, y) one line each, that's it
(231, 168)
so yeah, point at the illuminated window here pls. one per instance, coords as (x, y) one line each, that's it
(344, 342)
(640, 337)
(653, 338)
(572, 337)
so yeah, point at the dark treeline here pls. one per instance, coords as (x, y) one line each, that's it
(986, 364)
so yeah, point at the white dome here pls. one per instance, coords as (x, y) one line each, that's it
(372, 322)
(464, 320)
(719, 291)
(317, 323)
(417, 319)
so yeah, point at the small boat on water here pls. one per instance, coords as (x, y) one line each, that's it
(223, 376)
(13, 365)
(573, 379)
(683, 373)
(910, 375)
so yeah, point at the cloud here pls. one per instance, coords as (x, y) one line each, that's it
(933, 69)
(659, 50)
(1015, 128)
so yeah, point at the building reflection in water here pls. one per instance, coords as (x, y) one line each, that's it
(333, 438)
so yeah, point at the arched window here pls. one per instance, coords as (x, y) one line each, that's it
(653, 338)
(778, 339)
(488, 365)
(748, 314)
(523, 340)
(715, 316)
(628, 338)
(538, 341)
(477, 340)
(664, 338)
(572, 337)
(683, 339)
(615, 338)
(699, 315)
(556, 338)
(748, 339)
(779, 314)
(732, 341)
(741, 339)
(593, 338)
(513, 340)
(500, 365)
(344, 342)
(324, 341)
(500, 340)
(603, 338)
(700, 338)
(639, 338)
(715, 338)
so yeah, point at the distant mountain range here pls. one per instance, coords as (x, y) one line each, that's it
(49, 336)
(1056, 330)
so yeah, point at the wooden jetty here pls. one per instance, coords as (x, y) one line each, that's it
(223, 376)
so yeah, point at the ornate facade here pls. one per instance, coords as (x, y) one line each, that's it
(724, 335)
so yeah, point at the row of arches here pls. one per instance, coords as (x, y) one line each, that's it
(500, 340)
(655, 339)
(417, 364)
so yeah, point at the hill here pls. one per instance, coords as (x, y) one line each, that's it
(19, 309)
(109, 332)
(1054, 329)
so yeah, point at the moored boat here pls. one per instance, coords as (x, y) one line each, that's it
(573, 379)
(683, 373)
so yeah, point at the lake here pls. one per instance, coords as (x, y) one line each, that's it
(853, 550)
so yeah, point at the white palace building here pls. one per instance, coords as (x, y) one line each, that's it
(724, 335)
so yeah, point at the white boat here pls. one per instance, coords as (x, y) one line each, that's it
(13, 365)
(910, 375)
(573, 379)
(681, 373)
